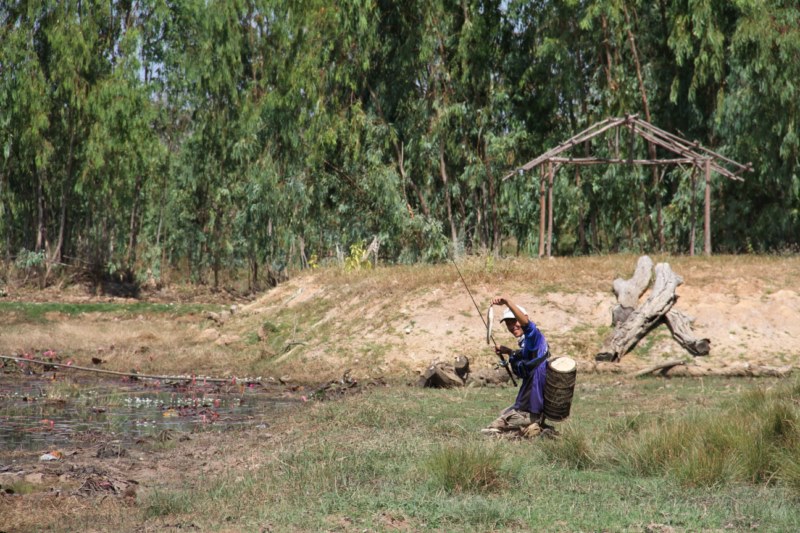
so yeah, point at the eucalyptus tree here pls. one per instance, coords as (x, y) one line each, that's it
(759, 121)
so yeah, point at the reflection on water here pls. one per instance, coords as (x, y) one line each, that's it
(40, 413)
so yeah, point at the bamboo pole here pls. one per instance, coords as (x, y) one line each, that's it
(131, 374)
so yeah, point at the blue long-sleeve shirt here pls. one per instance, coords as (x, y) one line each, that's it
(529, 363)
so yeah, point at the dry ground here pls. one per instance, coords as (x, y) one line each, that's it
(394, 321)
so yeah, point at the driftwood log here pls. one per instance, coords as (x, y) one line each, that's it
(643, 318)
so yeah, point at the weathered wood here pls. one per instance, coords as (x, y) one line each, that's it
(628, 291)
(680, 326)
(551, 173)
(440, 376)
(486, 377)
(664, 367)
(584, 161)
(707, 214)
(542, 214)
(647, 315)
(684, 369)
(461, 366)
(744, 370)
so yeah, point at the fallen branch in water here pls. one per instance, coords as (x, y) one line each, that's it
(132, 374)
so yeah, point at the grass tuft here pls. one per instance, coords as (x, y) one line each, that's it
(167, 503)
(466, 469)
(573, 450)
(754, 439)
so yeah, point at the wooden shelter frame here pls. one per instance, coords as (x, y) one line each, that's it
(687, 153)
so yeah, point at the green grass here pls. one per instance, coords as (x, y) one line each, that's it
(37, 312)
(456, 469)
(633, 455)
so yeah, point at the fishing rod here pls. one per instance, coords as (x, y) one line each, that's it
(485, 324)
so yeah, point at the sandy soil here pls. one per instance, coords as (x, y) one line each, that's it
(745, 320)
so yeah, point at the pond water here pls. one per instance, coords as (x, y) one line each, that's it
(42, 413)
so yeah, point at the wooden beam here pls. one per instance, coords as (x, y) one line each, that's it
(618, 161)
(707, 218)
(693, 211)
(583, 136)
(541, 211)
(551, 172)
(741, 168)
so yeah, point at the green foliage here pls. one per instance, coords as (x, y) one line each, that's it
(228, 135)
(356, 260)
(27, 259)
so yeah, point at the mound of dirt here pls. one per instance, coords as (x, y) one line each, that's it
(384, 323)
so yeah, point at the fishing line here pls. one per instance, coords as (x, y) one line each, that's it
(482, 319)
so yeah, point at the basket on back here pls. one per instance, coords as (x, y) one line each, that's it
(559, 387)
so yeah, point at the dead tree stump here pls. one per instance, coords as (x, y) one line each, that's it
(632, 323)
(644, 317)
(628, 291)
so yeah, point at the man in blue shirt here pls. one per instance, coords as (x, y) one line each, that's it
(529, 363)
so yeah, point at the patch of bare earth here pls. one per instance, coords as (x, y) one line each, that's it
(748, 308)
(394, 321)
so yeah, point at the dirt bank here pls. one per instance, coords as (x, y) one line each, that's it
(394, 321)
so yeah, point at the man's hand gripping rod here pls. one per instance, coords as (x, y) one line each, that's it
(502, 359)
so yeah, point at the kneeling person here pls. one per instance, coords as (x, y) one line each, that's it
(528, 363)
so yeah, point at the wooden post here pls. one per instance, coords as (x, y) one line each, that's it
(541, 211)
(550, 172)
(692, 211)
(707, 221)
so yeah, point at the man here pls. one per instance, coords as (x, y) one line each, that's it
(529, 363)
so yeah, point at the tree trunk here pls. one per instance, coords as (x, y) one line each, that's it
(629, 291)
(645, 317)
(680, 326)
(707, 218)
(448, 203)
(41, 227)
(133, 235)
(495, 225)
(651, 148)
